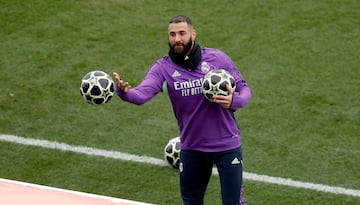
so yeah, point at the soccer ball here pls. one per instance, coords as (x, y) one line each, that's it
(215, 82)
(172, 152)
(97, 87)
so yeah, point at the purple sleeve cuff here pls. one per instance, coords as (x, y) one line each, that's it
(118, 91)
(240, 99)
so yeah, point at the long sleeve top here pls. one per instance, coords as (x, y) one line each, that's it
(203, 125)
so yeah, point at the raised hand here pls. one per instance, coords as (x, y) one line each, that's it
(124, 86)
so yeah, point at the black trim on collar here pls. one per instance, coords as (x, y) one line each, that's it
(189, 62)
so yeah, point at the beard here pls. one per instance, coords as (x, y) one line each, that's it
(186, 47)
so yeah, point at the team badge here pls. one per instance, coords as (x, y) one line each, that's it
(205, 67)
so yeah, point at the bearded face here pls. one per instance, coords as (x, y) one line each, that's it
(182, 48)
(181, 37)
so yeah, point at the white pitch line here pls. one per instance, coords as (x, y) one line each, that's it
(82, 149)
(160, 162)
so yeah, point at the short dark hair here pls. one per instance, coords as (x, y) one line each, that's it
(179, 19)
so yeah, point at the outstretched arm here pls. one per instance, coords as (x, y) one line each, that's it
(142, 93)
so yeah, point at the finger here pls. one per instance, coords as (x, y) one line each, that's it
(118, 80)
(116, 75)
(228, 87)
(219, 97)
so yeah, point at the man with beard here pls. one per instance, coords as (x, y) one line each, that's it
(209, 133)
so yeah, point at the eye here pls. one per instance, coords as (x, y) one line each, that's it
(182, 33)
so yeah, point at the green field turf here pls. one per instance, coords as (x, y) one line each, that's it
(300, 58)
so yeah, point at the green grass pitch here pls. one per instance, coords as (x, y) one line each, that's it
(300, 58)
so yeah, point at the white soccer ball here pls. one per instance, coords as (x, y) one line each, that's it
(215, 82)
(97, 87)
(172, 152)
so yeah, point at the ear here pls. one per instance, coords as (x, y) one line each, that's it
(193, 34)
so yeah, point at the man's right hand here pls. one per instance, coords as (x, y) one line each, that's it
(124, 86)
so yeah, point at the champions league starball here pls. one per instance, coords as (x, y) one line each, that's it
(172, 152)
(215, 82)
(97, 87)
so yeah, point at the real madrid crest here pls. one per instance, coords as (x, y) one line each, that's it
(205, 67)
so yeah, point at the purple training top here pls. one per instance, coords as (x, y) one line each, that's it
(204, 125)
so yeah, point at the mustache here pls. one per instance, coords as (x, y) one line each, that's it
(175, 44)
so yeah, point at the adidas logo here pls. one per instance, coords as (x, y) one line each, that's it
(176, 74)
(236, 161)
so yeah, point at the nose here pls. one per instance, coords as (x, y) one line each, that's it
(177, 38)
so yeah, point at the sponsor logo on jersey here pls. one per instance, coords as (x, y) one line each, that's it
(189, 87)
(193, 86)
